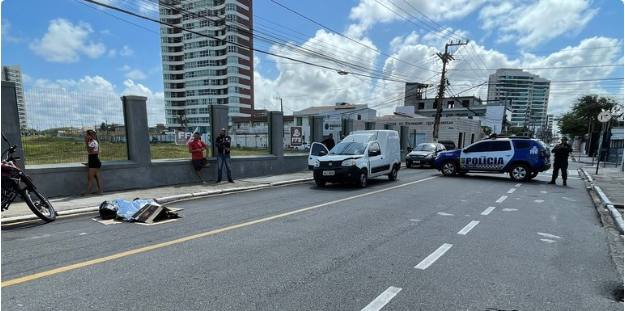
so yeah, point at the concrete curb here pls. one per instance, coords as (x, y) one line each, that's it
(163, 200)
(616, 216)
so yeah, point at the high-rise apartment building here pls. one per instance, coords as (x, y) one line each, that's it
(207, 60)
(526, 94)
(14, 74)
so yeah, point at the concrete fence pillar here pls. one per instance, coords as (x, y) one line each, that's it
(11, 120)
(347, 126)
(137, 134)
(275, 119)
(404, 140)
(316, 129)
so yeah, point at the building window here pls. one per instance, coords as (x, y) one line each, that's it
(450, 104)
(421, 106)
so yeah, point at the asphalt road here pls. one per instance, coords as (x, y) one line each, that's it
(423, 242)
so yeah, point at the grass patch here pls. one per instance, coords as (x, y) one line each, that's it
(57, 150)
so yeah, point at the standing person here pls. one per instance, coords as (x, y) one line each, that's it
(199, 161)
(329, 142)
(93, 149)
(561, 160)
(223, 155)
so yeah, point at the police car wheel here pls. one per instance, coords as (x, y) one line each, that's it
(520, 172)
(449, 168)
(362, 180)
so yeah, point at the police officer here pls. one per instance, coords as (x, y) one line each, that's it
(561, 160)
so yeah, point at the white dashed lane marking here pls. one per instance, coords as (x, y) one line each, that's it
(468, 227)
(429, 260)
(383, 299)
(503, 198)
(517, 185)
(488, 210)
(511, 190)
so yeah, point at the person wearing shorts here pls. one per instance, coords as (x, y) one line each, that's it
(199, 161)
(93, 162)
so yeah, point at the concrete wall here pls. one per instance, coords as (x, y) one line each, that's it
(140, 171)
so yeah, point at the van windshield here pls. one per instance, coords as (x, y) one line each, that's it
(349, 148)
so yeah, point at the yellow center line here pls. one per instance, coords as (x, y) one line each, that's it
(192, 237)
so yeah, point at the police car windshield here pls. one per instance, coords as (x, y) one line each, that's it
(349, 148)
(425, 147)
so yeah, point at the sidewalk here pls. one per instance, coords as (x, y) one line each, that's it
(18, 211)
(606, 183)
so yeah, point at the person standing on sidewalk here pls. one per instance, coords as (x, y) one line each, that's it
(329, 142)
(199, 161)
(93, 162)
(561, 154)
(223, 155)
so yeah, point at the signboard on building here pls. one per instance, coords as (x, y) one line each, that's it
(183, 138)
(297, 136)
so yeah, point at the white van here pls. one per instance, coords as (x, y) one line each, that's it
(358, 157)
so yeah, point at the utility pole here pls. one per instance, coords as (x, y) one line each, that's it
(446, 57)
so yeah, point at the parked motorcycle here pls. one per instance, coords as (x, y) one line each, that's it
(15, 183)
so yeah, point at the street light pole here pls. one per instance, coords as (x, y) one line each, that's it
(281, 107)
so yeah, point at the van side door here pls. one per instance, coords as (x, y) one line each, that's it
(316, 150)
(377, 163)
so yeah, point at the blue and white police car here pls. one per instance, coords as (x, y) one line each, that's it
(522, 157)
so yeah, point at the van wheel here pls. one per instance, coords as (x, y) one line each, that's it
(320, 183)
(362, 179)
(534, 174)
(519, 172)
(449, 168)
(392, 176)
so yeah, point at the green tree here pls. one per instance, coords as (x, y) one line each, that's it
(582, 118)
(570, 124)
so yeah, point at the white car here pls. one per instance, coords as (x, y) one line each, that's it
(305, 146)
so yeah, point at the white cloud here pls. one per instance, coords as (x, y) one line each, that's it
(7, 34)
(301, 85)
(126, 51)
(136, 74)
(65, 43)
(155, 103)
(533, 24)
(420, 12)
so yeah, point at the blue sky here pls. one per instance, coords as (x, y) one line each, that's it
(578, 44)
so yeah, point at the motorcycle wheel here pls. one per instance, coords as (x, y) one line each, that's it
(39, 205)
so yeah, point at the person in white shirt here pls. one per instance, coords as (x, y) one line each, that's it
(94, 164)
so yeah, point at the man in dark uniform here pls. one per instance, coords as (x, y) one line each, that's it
(561, 160)
(329, 142)
(223, 155)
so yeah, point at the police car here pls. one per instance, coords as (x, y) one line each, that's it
(522, 157)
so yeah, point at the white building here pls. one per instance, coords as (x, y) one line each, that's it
(492, 115)
(527, 96)
(207, 60)
(332, 117)
(14, 74)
